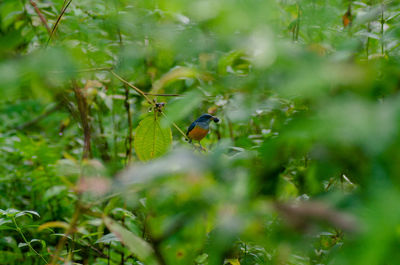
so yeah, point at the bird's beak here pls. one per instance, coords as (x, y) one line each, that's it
(215, 119)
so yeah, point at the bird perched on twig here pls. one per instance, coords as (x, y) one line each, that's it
(199, 128)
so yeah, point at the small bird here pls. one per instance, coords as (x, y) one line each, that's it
(199, 128)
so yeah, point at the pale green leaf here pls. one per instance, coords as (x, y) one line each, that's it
(151, 140)
(135, 244)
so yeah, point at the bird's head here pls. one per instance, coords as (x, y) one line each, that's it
(208, 118)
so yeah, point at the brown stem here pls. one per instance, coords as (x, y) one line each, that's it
(42, 18)
(58, 21)
(103, 148)
(84, 118)
(382, 29)
(147, 99)
(130, 130)
(71, 230)
(298, 22)
(132, 86)
(367, 48)
(39, 118)
(163, 95)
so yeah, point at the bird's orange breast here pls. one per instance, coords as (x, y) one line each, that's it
(197, 133)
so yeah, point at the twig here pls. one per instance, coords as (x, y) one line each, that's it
(382, 29)
(132, 86)
(367, 44)
(297, 29)
(70, 230)
(42, 18)
(130, 130)
(26, 241)
(39, 118)
(58, 21)
(83, 111)
(176, 127)
(148, 100)
(163, 95)
(94, 69)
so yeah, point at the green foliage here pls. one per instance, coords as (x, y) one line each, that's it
(96, 98)
(151, 140)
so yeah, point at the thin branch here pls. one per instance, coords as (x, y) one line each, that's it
(70, 230)
(163, 95)
(148, 100)
(58, 21)
(94, 69)
(83, 111)
(39, 118)
(129, 137)
(26, 241)
(42, 18)
(132, 86)
(382, 29)
(176, 127)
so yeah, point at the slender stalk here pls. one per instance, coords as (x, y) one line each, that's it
(70, 230)
(367, 45)
(94, 69)
(39, 118)
(132, 86)
(148, 100)
(298, 22)
(26, 241)
(176, 127)
(130, 130)
(83, 111)
(163, 95)
(65, 6)
(42, 18)
(382, 28)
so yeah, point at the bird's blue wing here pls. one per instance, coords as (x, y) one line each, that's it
(191, 127)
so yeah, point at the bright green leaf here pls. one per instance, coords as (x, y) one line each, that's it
(151, 140)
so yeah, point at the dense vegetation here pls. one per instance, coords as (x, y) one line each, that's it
(96, 97)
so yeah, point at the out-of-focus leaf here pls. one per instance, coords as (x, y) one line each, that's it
(177, 73)
(29, 213)
(181, 107)
(56, 224)
(107, 239)
(181, 161)
(54, 191)
(135, 244)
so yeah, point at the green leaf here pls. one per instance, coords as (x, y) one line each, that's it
(135, 244)
(151, 140)
(29, 213)
(107, 239)
(177, 73)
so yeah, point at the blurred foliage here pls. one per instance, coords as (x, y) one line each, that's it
(96, 97)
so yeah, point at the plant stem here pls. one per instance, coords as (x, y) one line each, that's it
(65, 6)
(132, 86)
(147, 99)
(163, 95)
(176, 127)
(84, 117)
(367, 48)
(382, 27)
(130, 131)
(70, 230)
(42, 18)
(26, 241)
